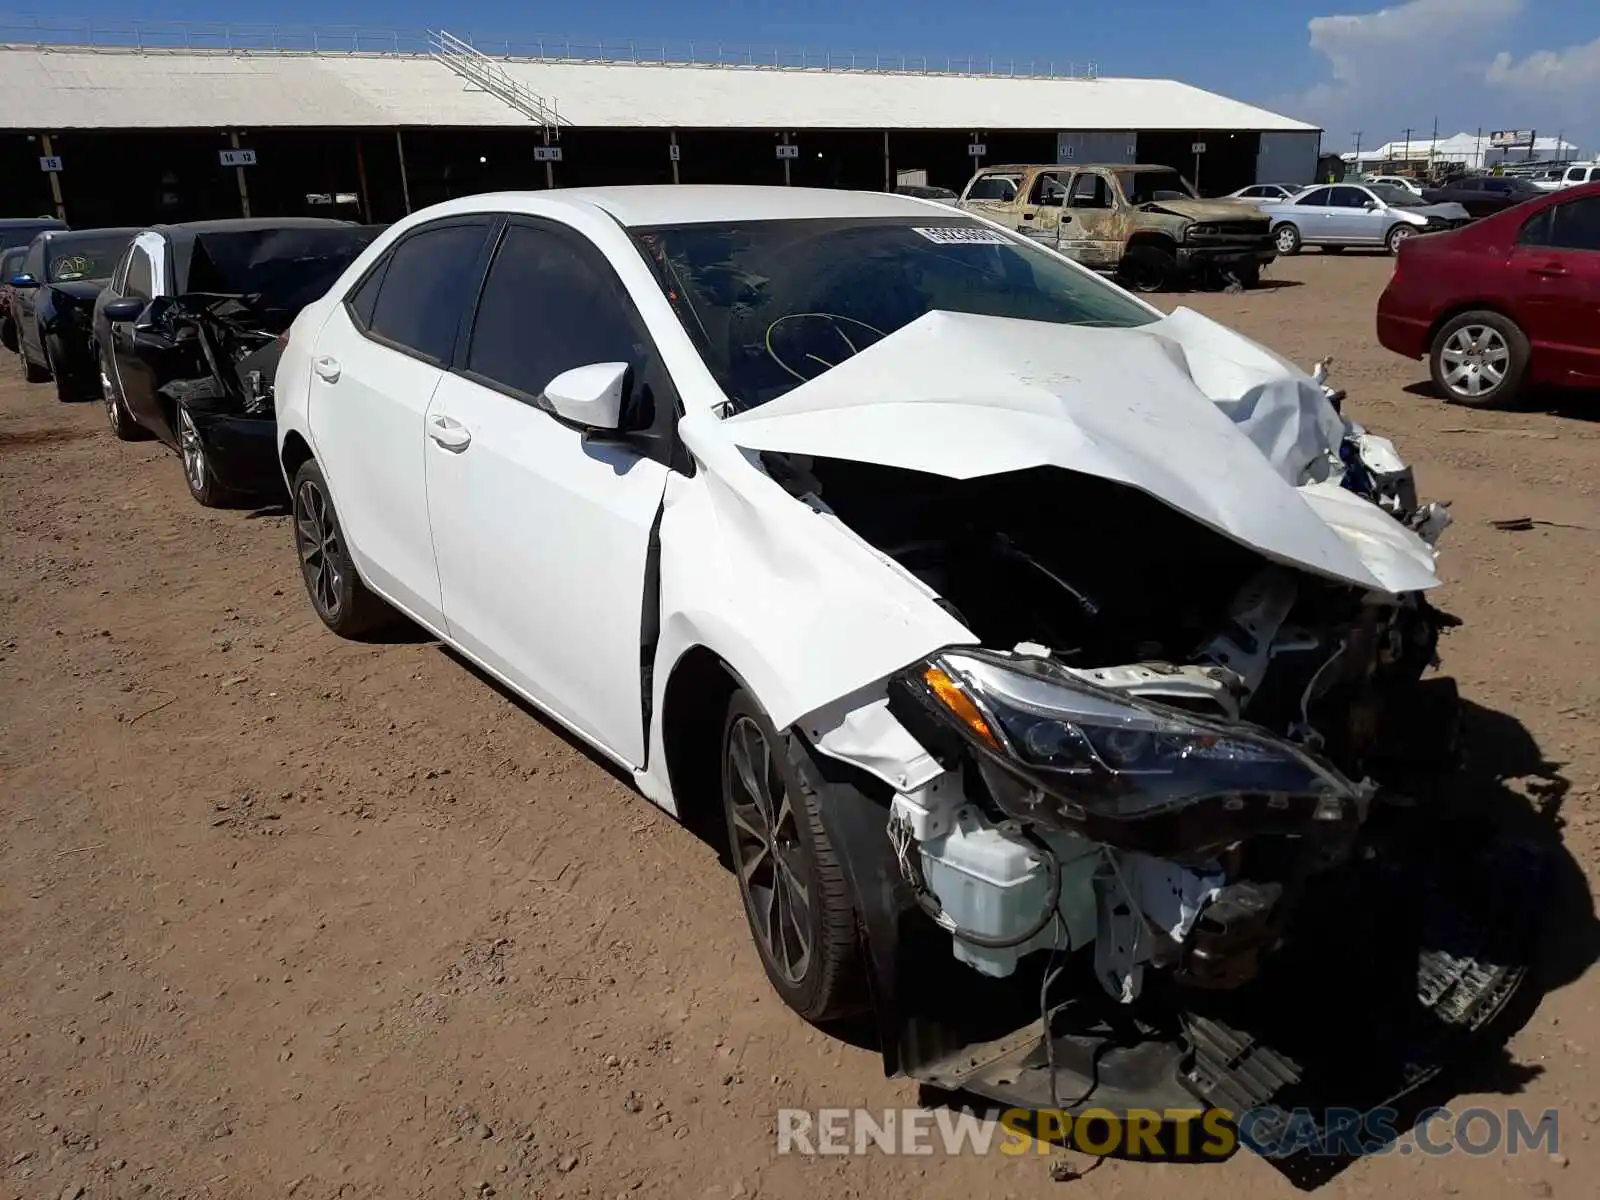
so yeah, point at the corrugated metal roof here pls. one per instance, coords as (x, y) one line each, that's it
(48, 89)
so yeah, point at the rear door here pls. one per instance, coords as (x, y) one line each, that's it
(1309, 214)
(542, 529)
(1555, 269)
(25, 301)
(374, 369)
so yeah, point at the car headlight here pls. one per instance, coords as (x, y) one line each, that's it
(1101, 753)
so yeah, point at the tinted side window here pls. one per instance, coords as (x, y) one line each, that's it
(1318, 197)
(548, 307)
(426, 288)
(364, 299)
(141, 276)
(1535, 230)
(1347, 197)
(1575, 225)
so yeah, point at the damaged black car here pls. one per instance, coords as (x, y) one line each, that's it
(189, 332)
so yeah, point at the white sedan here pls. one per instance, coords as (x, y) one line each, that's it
(991, 614)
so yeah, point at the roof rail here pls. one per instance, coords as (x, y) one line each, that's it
(488, 75)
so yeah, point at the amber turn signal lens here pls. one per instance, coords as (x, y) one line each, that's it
(960, 704)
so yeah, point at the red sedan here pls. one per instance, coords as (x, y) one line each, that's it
(1509, 300)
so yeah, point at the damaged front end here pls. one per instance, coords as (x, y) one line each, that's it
(1165, 743)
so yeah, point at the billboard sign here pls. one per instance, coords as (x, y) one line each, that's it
(1510, 139)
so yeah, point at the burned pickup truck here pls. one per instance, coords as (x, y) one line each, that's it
(189, 332)
(1143, 223)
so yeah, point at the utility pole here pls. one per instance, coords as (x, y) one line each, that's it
(1358, 154)
(1477, 151)
(1407, 151)
(1433, 146)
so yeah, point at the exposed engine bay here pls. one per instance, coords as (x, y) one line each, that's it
(1161, 734)
(223, 350)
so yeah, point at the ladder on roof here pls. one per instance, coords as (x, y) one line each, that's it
(484, 73)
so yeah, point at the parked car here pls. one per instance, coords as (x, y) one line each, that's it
(1350, 214)
(1549, 179)
(1267, 191)
(10, 264)
(924, 192)
(188, 337)
(52, 305)
(1145, 223)
(1405, 183)
(19, 231)
(1481, 195)
(761, 493)
(1505, 302)
(1578, 173)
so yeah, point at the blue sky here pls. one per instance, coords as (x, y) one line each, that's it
(1345, 64)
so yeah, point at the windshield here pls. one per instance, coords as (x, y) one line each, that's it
(1396, 197)
(1147, 187)
(285, 268)
(84, 257)
(772, 304)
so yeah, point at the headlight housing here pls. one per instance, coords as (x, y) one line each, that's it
(1077, 754)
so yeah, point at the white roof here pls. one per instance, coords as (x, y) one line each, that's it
(1457, 144)
(83, 88)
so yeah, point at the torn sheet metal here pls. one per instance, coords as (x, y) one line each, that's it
(965, 396)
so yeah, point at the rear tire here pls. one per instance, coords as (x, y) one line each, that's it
(1286, 238)
(796, 897)
(1480, 350)
(341, 599)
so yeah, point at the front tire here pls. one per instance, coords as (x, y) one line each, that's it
(197, 470)
(1147, 268)
(1478, 359)
(30, 372)
(1396, 236)
(796, 897)
(123, 426)
(1286, 238)
(341, 599)
(55, 354)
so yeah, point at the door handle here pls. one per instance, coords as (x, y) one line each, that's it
(1548, 270)
(326, 367)
(450, 434)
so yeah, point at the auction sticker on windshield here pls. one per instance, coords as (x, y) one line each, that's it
(960, 235)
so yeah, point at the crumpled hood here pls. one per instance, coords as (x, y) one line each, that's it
(1448, 211)
(1205, 210)
(1197, 416)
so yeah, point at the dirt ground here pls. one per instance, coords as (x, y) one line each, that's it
(283, 915)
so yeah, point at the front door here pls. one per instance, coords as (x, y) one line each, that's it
(1091, 224)
(543, 530)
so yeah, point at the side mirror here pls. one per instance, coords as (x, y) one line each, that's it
(590, 397)
(24, 281)
(127, 308)
(1369, 205)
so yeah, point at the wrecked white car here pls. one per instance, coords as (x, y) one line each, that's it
(1035, 650)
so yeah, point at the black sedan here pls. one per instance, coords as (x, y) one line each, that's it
(10, 264)
(188, 337)
(1482, 195)
(52, 302)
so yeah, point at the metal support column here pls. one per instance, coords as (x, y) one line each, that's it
(405, 186)
(55, 178)
(361, 178)
(673, 153)
(888, 165)
(786, 161)
(244, 188)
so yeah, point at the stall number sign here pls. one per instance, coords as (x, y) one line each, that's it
(672, 152)
(547, 154)
(50, 162)
(788, 151)
(238, 158)
(977, 150)
(1197, 148)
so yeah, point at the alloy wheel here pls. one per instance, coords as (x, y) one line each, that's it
(1287, 240)
(1475, 360)
(194, 454)
(316, 537)
(767, 852)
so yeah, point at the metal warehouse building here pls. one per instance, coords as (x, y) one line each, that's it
(130, 134)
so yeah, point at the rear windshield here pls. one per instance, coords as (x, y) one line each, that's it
(771, 304)
(283, 268)
(84, 256)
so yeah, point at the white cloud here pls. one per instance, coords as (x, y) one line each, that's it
(1437, 59)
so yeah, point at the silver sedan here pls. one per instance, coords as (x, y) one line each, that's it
(1348, 214)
